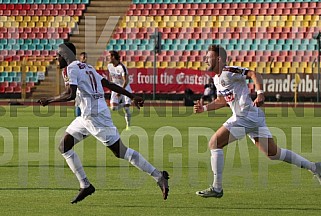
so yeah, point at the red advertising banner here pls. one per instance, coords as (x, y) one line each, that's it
(167, 80)
(177, 80)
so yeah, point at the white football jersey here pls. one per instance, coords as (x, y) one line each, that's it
(231, 84)
(91, 92)
(117, 73)
(66, 80)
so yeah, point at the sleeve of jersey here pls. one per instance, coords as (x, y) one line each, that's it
(240, 73)
(72, 74)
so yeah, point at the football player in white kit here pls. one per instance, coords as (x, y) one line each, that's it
(95, 119)
(118, 74)
(247, 119)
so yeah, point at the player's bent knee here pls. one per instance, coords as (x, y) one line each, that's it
(61, 148)
(114, 108)
(274, 157)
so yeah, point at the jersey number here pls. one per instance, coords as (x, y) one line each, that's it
(93, 81)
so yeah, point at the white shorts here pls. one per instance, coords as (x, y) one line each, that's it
(122, 98)
(239, 127)
(100, 126)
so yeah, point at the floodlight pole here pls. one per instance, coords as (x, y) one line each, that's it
(317, 36)
(155, 66)
(157, 37)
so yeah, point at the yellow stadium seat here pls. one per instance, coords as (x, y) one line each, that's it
(19, 18)
(203, 18)
(308, 70)
(75, 19)
(42, 68)
(278, 64)
(4, 63)
(171, 64)
(140, 64)
(8, 68)
(50, 18)
(7, 24)
(186, 24)
(33, 68)
(31, 24)
(284, 70)
(237, 63)
(227, 18)
(1, 69)
(163, 65)
(3, 18)
(37, 63)
(54, 24)
(16, 68)
(58, 19)
(148, 64)
(131, 64)
(43, 18)
(275, 70)
(246, 64)
(305, 23)
(203, 68)
(168, 24)
(39, 24)
(27, 18)
(181, 64)
(141, 19)
(66, 19)
(23, 24)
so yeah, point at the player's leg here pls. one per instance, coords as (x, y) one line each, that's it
(74, 134)
(104, 130)
(128, 114)
(115, 101)
(221, 138)
(137, 160)
(273, 152)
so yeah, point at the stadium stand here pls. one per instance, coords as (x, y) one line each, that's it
(270, 36)
(273, 36)
(32, 30)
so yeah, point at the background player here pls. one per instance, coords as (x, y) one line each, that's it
(118, 74)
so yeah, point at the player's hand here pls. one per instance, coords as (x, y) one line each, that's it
(43, 101)
(259, 100)
(138, 101)
(198, 107)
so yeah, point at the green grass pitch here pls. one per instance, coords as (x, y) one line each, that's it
(34, 179)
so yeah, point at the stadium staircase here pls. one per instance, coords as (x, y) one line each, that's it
(106, 15)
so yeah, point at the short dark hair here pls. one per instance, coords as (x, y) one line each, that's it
(115, 54)
(83, 53)
(70, 47)
(219, 50)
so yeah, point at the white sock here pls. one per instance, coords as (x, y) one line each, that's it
(137, 160)
(75, 165)
(293, 158)
(217, 162)
(127, 116)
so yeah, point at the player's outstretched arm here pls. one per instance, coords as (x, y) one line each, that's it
(68, 95)
(258, 82)
(138, 101)
(218, 103)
